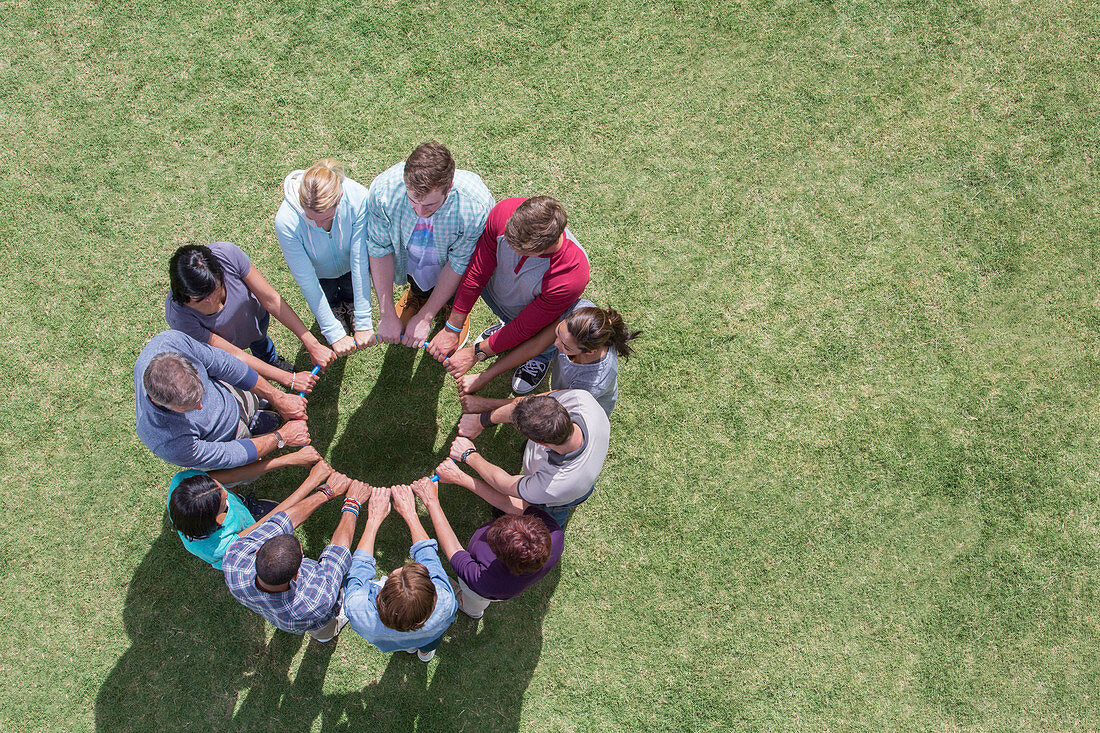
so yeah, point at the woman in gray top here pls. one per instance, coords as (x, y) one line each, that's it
(589, 341)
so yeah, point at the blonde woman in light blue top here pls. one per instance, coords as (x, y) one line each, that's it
(321, 227)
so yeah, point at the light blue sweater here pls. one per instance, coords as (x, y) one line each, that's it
(312, 253)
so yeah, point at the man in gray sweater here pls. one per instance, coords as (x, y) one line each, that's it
(199, 407)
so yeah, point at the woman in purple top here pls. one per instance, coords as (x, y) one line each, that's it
(506, 556)
(219, 298)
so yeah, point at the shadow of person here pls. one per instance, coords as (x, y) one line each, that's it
(191, 647)
(276, 702)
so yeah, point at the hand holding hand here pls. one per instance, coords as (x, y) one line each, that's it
(417, 330)
(389, 329)
(403, 500)
(450, 473)
(321, 355)
(307, 456)
(295, 433)
(365, 339)
(290, 406)
(379, 504)
(470, 383)
(359, 491)
(320, 470)
(338, 483)
(444, 344)
(345, 346)
(460, 362)
(427, 490)
(469, 426)
(460, 446)
(302, 382)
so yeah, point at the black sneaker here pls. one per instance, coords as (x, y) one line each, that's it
(264, 422)
(283, 364)
(258, 507)
(347, 316)
(488, 332)
(529, 375)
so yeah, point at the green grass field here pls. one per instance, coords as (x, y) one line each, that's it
(853, 482)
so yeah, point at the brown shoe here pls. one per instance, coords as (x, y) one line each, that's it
(409, 306)
(445, 315)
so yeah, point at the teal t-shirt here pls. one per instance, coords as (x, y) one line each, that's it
(212, 548)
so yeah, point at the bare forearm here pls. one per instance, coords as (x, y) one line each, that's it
(264, 444)
(529, 349)
(265, 370)
(345, 530)
(366, 542)
(381, 274)
(416, 529)
(307, 487)
(448, 542)
(300, 511)
(495, 476)
(503, 502)
(253, 470)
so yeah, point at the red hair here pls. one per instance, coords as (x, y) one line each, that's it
(521, 541)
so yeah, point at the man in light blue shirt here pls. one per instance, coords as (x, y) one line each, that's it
(423, 221)
(412, 607)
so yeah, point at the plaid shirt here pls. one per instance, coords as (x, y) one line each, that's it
(314, 596)
(456, 225)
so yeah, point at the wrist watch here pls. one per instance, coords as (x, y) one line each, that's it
(282, 441)
(479, 354)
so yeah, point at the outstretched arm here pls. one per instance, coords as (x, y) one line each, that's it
(428, 491)
(450, 473)
(274, 304)
(378, 507)
(316, 477)
(529, 349)
(305, 457)
(405, 505)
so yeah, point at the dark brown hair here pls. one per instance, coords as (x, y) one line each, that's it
(521, 541)
(428, 168)
(407, 599)
(542, 419)
(535, 225)
(593, 328)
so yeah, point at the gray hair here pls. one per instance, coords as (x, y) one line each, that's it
(171, 381)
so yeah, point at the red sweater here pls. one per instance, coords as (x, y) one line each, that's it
(563, 282)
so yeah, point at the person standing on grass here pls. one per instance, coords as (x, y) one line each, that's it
(199, 407)
(266, 571)
(218, 297)
(423, 220)
(567, 441)
(528, 268)
(589, 342)
(321, 227)
(209, 518)
(506, 556)
(411, 607)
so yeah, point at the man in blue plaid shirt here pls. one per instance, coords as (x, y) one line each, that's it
(265, 569)
(423, 220)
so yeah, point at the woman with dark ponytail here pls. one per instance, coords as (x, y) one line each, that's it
(590, 342)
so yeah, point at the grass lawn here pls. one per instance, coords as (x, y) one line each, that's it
(853, 482)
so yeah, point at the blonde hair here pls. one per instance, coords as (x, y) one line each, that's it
(320, 188)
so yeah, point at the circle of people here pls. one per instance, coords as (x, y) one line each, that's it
(205, 399)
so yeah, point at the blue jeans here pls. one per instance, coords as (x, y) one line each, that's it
(546, 356)
(263, 348)
(562, 512)
(337, 289)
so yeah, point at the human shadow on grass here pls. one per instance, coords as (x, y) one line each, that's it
(193, 648)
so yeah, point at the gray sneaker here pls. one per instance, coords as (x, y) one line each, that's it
(264, 422)
(488, 332)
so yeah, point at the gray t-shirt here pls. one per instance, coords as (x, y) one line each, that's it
(239, 321)
(552, 479)
(600, 378)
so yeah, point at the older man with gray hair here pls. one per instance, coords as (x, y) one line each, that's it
(200, 407)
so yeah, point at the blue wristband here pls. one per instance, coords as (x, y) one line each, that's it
(452, 328)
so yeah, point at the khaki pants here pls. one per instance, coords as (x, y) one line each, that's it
(472, 604)
(248, 404)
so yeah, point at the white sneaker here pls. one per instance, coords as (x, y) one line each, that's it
(341, 622)
(425, 657)
(529, 375)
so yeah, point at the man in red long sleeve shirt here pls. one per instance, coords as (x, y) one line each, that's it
(528, 269)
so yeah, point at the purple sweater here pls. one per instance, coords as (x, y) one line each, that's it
(488, 576)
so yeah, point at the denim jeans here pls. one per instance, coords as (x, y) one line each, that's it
(562, 512)
(337, 289)
(263, 348)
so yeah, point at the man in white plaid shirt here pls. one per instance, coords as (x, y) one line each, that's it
(423, 221)
(266, 572)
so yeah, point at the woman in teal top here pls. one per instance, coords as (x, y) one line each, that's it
(209, 518)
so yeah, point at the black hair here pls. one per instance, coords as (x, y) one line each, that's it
(194, 273)
(194, 506)
(278, 559)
